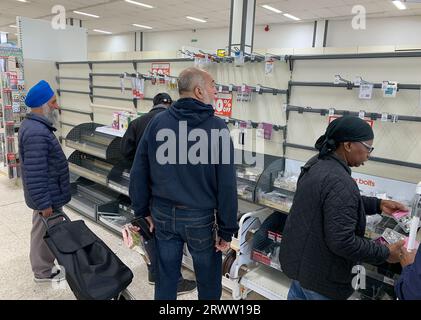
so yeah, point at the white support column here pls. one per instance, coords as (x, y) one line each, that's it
(242, 25)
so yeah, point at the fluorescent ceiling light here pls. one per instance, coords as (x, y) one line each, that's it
(13, 26)
(102, 31)
(86, 14)
(291, 17)
(271, 8)
(399, 4)
(26, 1)
(141, 26)
(140, 4)
(196, 19)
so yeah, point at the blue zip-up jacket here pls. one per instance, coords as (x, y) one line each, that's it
(408, 287)
(182, 180)
(45, 171)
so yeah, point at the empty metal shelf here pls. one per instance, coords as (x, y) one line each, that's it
(85, 139)
(89, 167)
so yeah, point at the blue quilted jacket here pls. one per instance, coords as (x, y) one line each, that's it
(45, 171)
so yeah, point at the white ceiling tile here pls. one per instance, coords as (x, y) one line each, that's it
(118, 15)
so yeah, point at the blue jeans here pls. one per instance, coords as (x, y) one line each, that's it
(175, 226)
(150, 247)
(296, 292)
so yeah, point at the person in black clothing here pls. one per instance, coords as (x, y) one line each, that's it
(136, 128)
(128, 148)
(323, 237)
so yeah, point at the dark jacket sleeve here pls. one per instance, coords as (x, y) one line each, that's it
(227, 194)
(340, 210)
(35, 152)
(371, 205)
(408, 287)
(128, 143)
(139, 189)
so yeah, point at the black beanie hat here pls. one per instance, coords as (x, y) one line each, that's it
(345, 129)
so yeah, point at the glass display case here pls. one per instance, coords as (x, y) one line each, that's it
(249, 168)
(275, 190)
(86, 139)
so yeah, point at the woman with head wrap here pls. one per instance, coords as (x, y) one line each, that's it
(324, 234)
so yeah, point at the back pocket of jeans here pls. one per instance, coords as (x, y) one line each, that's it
(200, 237)
(162, 229)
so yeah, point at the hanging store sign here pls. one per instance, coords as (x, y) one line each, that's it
(366, 91)
(223, 104)
(244, 93)
(138, 88)
(269, 65)
(265, 130)
(163, 69)
(389, 88)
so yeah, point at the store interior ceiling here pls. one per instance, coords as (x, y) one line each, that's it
(119, 16)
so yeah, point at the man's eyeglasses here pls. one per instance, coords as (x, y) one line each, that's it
(369, 148)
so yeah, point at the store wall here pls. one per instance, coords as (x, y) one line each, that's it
(298, 35)
(398, 141)
(378, 32)
(115, 43)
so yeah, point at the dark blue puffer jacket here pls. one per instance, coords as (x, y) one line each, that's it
(45, 171)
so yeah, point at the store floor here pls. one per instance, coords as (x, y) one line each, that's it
(16, 278)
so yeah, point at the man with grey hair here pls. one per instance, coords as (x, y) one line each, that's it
(45, 174)
(187, 197)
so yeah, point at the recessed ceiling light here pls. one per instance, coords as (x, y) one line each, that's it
(140, 4)
(271, 8)
(25, 1)
(13, 26)
(141, 26)
(196, 19)
(399, 4)
(291, 17)
(86, 14)
(102, 31)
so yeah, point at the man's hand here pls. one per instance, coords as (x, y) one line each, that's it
(222, 245)
(395, 251)
(47, 212)
(389, 207)
(151, 224)
(407, 258)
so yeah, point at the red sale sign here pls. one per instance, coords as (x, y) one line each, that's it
(223, 104)
(161, 69)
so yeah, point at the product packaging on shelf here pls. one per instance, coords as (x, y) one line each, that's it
(116, 120)
(286, 182)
